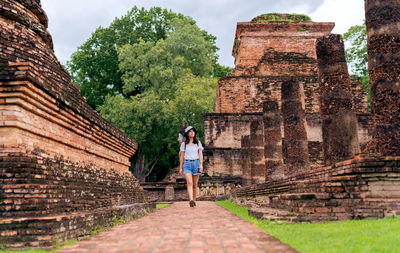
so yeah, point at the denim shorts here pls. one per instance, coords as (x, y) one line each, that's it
(191, 166)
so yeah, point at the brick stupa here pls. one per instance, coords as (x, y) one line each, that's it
(271, 50)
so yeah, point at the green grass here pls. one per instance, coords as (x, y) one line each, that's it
(3, 249)
(367, 235)
(159, 206)
(276, 17)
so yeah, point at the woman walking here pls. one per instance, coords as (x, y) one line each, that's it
(191, 162)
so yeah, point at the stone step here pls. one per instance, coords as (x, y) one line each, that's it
(393, 213)
(302, 196)
(272, 214)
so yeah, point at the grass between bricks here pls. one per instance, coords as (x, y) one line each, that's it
(368, 235)
(56, 247)
(159, 206)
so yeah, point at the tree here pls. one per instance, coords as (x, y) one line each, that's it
(154, 122)
(356, 54)
(166, 82)
(94, 66)
(158, 66)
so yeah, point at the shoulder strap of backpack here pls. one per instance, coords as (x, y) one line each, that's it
(197, 144)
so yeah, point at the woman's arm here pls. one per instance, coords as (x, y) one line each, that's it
(181, 156)
(201, 159)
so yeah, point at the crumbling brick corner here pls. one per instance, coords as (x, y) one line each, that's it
(63, 168)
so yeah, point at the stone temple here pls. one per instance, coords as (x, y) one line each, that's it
(291, 137)
(273, 61)
(295, 127)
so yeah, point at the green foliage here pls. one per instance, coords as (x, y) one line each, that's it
(276, 17)
(221, 71)
(139, 72)
(159, 206)
(117, 221)
(344, 236)
(356, 54)
(154, 117)
(94, 67)
(158, 66)
(56, 246)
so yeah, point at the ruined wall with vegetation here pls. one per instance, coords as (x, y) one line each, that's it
(268, 51)
(354, 183)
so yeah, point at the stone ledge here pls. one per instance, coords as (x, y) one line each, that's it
(67, 98)
(362, 187)
(33, 100)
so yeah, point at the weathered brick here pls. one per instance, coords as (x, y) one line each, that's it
(266, 54)
(339, 121)
(383, 34)
(57, 155)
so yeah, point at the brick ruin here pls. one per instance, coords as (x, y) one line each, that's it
(383, 20)
(358, 171)
(63, 168)
(174, 189)
(339, 121)
(272, 60)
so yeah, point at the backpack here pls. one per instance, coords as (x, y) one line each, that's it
(181, 136)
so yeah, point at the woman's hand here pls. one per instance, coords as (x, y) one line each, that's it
(180, 172)
(201, 168)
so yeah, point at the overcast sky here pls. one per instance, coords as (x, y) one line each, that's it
(72, 22)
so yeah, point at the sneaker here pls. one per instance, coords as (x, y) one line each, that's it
(194, 204)
(191, 203)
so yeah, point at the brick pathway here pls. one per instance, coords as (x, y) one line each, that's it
(179, 228)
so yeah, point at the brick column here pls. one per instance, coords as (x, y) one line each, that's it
(170, 192)
(257, 161)
(294, 122)
(272, 141)
(245, 155)
(339, 122)
(383, 31)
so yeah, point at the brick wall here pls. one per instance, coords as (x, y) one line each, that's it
(266, 54)
(209, 188)
(362, 187)
(223, 133)
(63, 168)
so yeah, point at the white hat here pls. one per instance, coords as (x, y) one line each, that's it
(189, 128)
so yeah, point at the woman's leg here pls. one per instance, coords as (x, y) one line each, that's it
(195, 183)
(189, 185)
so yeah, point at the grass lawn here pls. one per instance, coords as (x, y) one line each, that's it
(367, 235)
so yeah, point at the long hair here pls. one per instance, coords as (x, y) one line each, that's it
(195, 141)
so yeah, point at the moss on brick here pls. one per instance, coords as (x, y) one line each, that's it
(277, 17)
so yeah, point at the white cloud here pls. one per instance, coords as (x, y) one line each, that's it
(345, 13)
(72, 22)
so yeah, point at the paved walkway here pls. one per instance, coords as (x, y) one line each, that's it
(180, 228)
